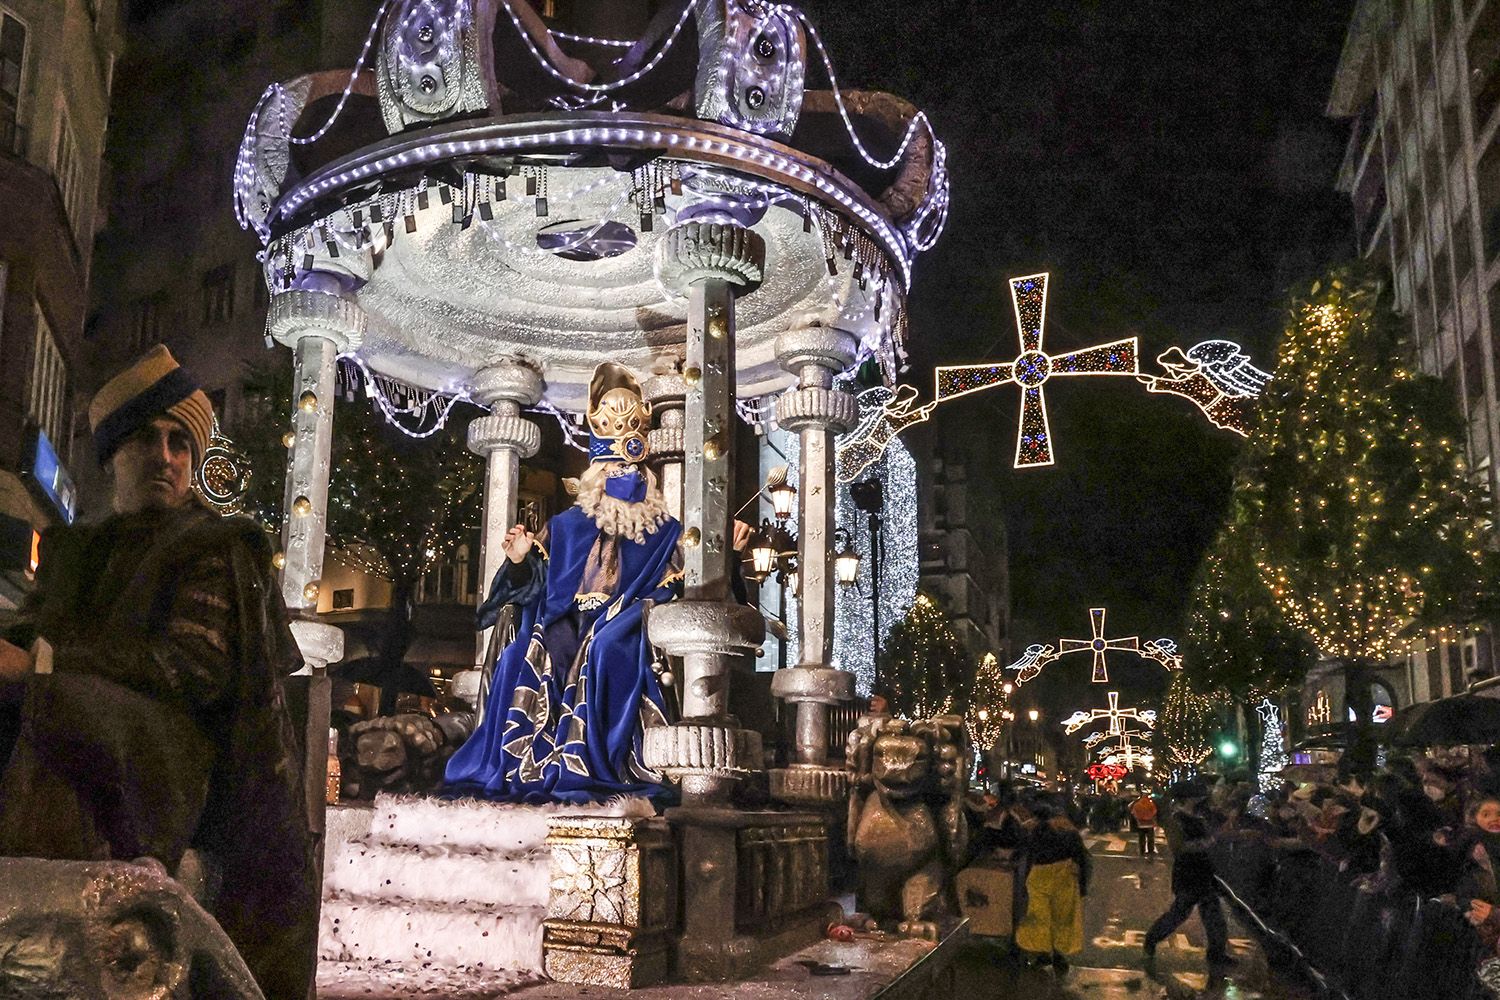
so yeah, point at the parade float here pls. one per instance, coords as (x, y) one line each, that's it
(486, 208)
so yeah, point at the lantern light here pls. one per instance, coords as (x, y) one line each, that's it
(763, 552)
(845, 559)
(783, 498)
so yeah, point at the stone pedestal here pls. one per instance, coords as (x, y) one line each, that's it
(755, 887)
(817, 413)
(613, 902)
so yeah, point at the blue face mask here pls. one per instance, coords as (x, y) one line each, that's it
(630, 487)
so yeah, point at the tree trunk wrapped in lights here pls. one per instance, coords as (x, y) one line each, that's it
(1354, 500)
(924, 668)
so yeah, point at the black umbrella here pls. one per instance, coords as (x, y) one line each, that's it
(1462, 719)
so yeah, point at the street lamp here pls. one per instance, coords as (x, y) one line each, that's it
(783, 497)
(772, 544)
(845, 559)
(763, 551)
(1033, 715)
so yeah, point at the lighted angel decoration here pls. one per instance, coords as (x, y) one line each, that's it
(1031, 662)
(1217, 376)
(1163, 651)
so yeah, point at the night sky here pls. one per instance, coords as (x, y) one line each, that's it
(1171, 166)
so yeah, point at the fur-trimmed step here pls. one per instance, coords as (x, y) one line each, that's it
(489, 937)
(369, 869)
(430, 884)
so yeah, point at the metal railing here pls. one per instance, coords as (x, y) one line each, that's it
(1354, 942)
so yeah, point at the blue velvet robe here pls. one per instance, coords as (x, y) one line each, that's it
(572, 693)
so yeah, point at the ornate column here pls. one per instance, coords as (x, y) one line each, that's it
(666, 394)
(707, 751)
(817, 413)
(503, 438)
(317, 323)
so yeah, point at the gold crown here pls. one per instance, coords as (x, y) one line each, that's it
(619, 418)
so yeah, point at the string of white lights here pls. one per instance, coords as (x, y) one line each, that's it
(563, 78)
(920, 121)
(392, 415)
(622, 43)
(573, 436)
(359, 65)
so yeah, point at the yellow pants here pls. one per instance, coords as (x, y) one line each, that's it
(1054, 911)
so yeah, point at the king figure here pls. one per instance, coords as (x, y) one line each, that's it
(573, 691)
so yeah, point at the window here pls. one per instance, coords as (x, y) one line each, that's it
(343, 600)
(46, 394)
(67, 168)
(218, 294)
(12, 64)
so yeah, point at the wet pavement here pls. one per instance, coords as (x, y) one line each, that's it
(1125, 897)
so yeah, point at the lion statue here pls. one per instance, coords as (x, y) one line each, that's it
(907, 828)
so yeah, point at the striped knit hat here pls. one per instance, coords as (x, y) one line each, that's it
(155, 385)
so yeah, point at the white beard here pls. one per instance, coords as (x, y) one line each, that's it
(621, 517)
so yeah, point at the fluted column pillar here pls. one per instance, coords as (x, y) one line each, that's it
(706, 751)
(817, 413)
(502, 439)
(666, 394)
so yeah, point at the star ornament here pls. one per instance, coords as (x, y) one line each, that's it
(1034, 367)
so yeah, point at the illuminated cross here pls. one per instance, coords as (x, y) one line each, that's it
(1099, 645)
(1114, 713)
(1033, 367)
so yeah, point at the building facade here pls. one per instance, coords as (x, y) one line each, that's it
(963, 556)
(1419, 81)
(57, 61)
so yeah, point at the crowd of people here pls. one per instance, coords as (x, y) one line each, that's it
(1325, 861)
(1425, 827)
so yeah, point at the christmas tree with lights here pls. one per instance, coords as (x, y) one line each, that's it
(924, 668)
(990, 700)
(396, 504)
(1238, 640)
(1185, 729)
(1354, 500)
(1272, 743)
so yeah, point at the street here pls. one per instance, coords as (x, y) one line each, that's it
(1125, 896)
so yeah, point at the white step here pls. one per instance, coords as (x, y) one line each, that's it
(441, 936)
(417, 873)
(424, 887)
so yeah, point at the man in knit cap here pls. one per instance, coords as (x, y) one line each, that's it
(143, 677)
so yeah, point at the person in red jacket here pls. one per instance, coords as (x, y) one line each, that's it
(1143, 810)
